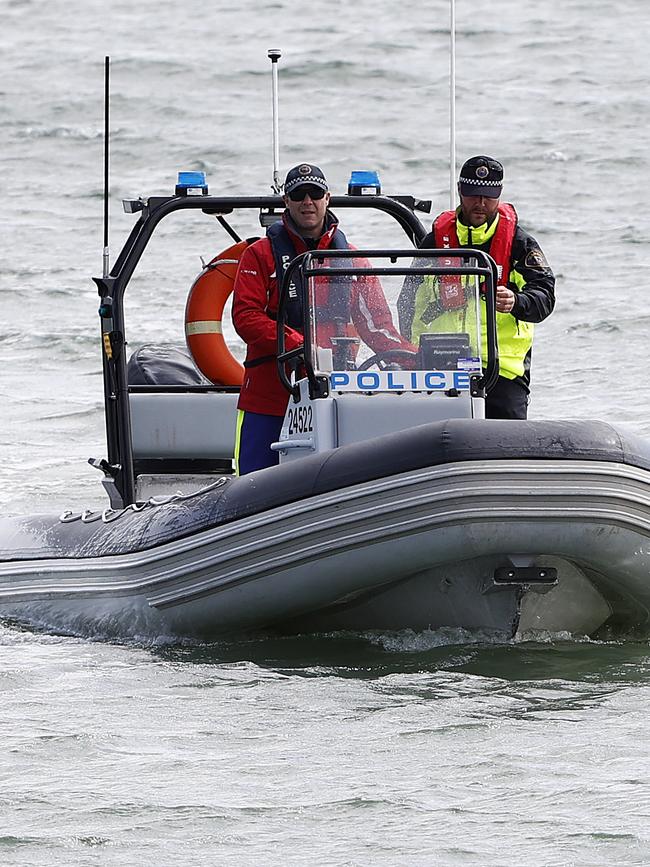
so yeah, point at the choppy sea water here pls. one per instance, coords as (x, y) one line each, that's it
(437, 748)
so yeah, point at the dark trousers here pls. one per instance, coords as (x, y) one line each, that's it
(256, 434)
(508, 399)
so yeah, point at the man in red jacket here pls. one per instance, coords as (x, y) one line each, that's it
(306, 224)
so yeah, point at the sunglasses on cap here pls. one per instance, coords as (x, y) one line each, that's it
(303, 190)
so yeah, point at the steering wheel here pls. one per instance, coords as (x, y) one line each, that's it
(383, 359)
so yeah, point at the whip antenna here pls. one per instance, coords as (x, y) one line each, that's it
(274, 55)
(106, 268)
(452, 104)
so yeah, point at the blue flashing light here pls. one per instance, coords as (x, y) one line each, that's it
(191, 184)
(364, 184)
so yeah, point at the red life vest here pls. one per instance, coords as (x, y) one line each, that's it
(444, 229)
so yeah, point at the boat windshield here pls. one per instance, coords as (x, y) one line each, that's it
(380, 325)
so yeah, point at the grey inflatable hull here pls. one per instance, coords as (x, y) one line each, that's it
(484, 525)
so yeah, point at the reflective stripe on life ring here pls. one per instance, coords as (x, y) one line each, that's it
(203, 318)
(206, 327)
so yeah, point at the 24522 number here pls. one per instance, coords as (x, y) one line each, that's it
(300, 419)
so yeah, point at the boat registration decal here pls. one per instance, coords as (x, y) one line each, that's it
(399, 380)
(300, 419)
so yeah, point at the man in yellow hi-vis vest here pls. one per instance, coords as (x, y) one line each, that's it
(526, 285)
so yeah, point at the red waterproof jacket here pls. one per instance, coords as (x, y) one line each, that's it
(254, 310)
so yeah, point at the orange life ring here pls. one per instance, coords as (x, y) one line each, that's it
(203, 315)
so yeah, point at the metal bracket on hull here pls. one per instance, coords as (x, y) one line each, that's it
(508, 575)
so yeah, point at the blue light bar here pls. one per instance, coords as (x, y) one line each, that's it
(364, 184)
(191, 184)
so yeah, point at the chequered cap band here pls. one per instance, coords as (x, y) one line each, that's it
(477, 182)
(317, 180)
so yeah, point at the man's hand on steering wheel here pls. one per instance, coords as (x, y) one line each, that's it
(389, 360)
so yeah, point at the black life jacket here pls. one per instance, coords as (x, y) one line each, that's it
(284, 251)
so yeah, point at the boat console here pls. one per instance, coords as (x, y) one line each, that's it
(342, 391)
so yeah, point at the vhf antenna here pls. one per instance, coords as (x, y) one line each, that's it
(452, 104)
(106, 266)
(274, 55)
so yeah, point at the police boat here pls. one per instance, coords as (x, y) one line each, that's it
(395, 503)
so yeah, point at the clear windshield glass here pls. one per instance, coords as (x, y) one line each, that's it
(423, 325)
